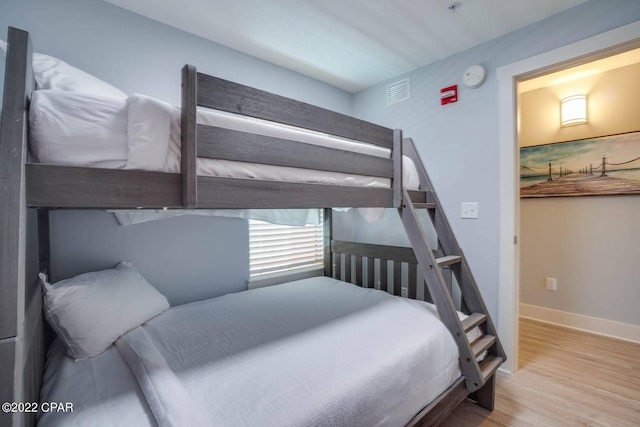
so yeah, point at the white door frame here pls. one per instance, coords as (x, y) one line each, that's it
(601, 45)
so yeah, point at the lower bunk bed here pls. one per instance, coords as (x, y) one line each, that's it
(318, 352)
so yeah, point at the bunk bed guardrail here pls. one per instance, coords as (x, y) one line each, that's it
(201, 90)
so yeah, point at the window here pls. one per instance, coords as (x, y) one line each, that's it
(281, 249)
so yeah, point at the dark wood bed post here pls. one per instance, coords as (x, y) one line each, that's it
(44, 243)
(485, 397)
(396, 156)
(188, 141)
(19, 83)
(327, 231)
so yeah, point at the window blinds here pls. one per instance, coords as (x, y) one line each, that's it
(277, 248)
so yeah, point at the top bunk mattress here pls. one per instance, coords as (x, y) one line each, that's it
(312, 352)
(73, 129)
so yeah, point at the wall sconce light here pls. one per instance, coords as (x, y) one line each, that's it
(573, 110)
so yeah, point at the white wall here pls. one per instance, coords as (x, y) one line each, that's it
(459, 142)
(588, 243)
(187, 258)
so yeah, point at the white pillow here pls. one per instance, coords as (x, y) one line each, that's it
(92, 310)
(53, 73)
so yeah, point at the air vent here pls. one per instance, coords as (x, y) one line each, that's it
(398, 91)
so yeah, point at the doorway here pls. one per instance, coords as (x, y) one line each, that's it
(606, 44)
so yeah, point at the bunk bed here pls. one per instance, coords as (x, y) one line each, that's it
(24, 335)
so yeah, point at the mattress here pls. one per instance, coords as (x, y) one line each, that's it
(314, 352)
(102, 390)
(73, 129)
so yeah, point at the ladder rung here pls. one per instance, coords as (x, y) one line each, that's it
(447, 260)
(473, 320)
(418, 196)
(424, 205)
(481, 344)
(490, 365)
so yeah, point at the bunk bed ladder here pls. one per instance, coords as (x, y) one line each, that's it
(449, 256)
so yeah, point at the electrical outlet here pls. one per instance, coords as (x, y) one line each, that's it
(551, 283)
(469, 210)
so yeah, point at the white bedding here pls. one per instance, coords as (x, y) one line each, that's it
(315, 352)
(98, 388)
(74, 129)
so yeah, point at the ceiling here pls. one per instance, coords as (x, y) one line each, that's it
(581, 71)
(350, 44)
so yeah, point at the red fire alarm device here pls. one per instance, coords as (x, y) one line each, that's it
(449, 95)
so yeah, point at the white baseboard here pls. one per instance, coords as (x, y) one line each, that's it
(505, 371)
(594, 325)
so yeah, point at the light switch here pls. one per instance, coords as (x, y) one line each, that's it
(469, 210)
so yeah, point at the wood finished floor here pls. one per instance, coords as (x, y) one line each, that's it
(566, 378)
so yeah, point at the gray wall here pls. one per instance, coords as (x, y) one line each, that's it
(590, 244)
(459, 142)
(186, 258)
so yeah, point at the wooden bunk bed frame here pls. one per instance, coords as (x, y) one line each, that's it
(25, 185)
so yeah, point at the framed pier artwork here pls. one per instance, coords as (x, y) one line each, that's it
(588, 167)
